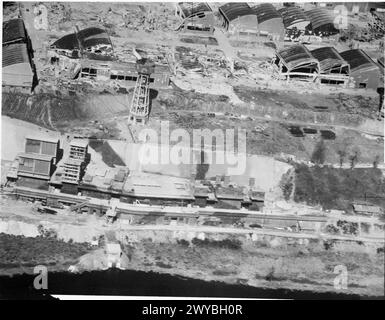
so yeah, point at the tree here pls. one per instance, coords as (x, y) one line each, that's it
(342, 155)
(375, 162)
(354, 159)
(287, 184)
(319, 153)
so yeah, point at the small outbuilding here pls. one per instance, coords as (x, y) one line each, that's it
(365, 72)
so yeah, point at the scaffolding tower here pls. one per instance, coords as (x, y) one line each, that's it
(140, 104)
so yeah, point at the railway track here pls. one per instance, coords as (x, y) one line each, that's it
(79, 202)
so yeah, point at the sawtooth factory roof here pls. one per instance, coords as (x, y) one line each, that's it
(329, 58)
(295, 56)
(292, 16)
(358, 59)
(232, 10)
(16, 53)
(191, 8)
(265, 12)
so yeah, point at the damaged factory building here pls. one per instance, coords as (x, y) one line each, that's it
(297, 62)
(333, 68)
(89, 54)
(351, 68)
(240, 20)
(18, 72)
(196, 17)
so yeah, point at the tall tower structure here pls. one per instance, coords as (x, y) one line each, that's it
(140, 104)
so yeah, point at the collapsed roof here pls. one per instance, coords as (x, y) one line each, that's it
(232, 10)
(265, 12)
(13, 30)
(292, 16)
(90, 37)
(84, 38)
(358, 60)
(329, 58)
(296, 56)
(68, 42)
(192, 8)
(321, 20)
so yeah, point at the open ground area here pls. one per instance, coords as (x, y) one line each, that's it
(238, 142)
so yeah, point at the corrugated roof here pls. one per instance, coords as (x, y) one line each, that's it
(68, 42)
(14, 54)
(296, 55)
(292, 15)
(93, 36)
(13, 30)
(358, 59)
(320, 17)
(191, 8)
(328, 58)
(265, 12)
(233, 10)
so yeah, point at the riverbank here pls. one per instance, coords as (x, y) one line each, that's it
(263, 263)
(151, 284)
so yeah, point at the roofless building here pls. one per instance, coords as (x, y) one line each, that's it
(322, 21)
(294, 18)
(196, 17)
(333, 68)
(239, 19)
(297, 62)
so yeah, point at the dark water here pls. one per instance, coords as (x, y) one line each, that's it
(138, 283)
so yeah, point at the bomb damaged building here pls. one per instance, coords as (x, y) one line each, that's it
(364, 71)
(196, 17)
(18, 70)
(333, 68)
(270, 21)
(239, 19)
(91, 43)
(297, 62)
(294, 18)
(321, 22)
(125, 73)
(93, 50)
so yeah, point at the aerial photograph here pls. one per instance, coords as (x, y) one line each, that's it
(192, 150)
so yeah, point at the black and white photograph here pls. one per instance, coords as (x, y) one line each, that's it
(192, 150)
